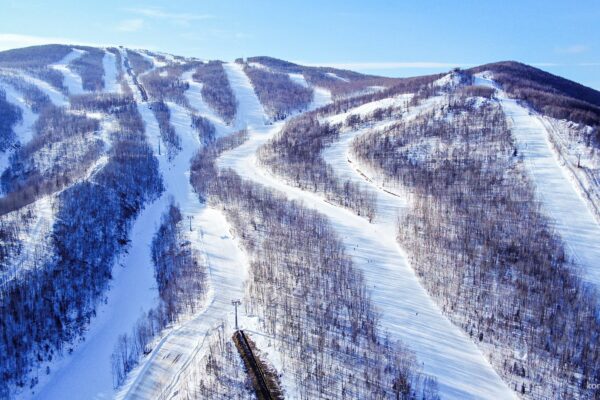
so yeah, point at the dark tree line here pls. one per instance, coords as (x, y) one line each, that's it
(55, 78)
(167, 131)
(35, 98)
(402, 86)
(206, 130)
(279, 95)
(45, 309)
(341, 83)
(203, 172)
(33, 56)
(91, 68)
(62, 150)
(547, 93)
(139, 63)
(178, 269)
(295, 153)
(484, 250)
(165, 84)
(333, 349)
(216, 90)
(11, 115)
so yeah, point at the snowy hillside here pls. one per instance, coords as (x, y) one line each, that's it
(416, 238)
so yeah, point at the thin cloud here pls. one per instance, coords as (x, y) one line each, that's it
(158, 13)
(130, 25)
(573, 49)
(360, 66)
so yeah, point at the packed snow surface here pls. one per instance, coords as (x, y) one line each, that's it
(111, 75)
(567, 209)
(407, 312)
(23, 130)
(72, 80)
(210, 234)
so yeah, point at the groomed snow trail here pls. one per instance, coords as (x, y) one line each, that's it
(408, 313)
(111, 78)
(23, 130)
(211, 235)
(568, 211)
(72, 80)
(194, 95)
(133, 290)
(158, 375)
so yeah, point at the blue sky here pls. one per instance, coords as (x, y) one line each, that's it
(394, 38)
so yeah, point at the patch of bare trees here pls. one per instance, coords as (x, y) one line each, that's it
(11, 116)
(48, 307)
(295, 154)
(308, 295)
(33, 96)
(206, 130)
(62, 150)
(91, 68)
(279, 95)
(179, 269)
(216, 90)
(547, 93)
(138, 62)
(484, 250)
(167, 131)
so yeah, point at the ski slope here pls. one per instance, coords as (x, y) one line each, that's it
(321, 96)
(111, 75)
(194, 96)
(569, 212)
(133, 290)
(72, 80)
(23, 130)
(169, 363)
(407, 311)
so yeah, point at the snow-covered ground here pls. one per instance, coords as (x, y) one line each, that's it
(335, 76)
(321, 96)
(57, 98)
(24, 129)
(561, 200)
(169, 363)
(194, 96)
(407, 311)
(250, 113)
(133, 290)
(35, 237)
(72, 79)
(111, 75)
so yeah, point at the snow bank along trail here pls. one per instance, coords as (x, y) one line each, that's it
(567, 209)
(407, 311)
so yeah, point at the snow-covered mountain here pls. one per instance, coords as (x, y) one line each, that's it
(427, 237)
